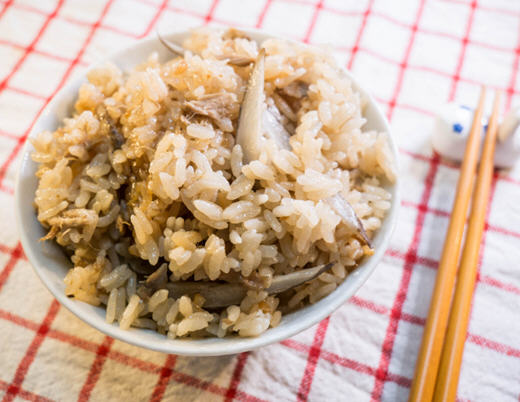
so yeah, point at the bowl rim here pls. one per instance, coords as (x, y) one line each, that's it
(305, 317)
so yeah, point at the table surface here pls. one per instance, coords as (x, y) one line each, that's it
(413, 55)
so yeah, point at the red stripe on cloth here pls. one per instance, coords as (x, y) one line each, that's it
(8, 250)
(487, 8)
(404, 63)
(346, 362)
(465, 40)
(155, 18)
(431, 263)
(6, 7)
(6, 189)
(116, 356)
(95, 369)
(485, 45)
(331, 357)
(367, 304)
(15, 386)
(164, 377)
(28, 396)
(33, 43)
(487, 280)
(92, 347)
(359, 35)
(312, 24)
(434, 211)
(16, 319)
(263, 13)
(180, 10)
(446, 214)
(510, 179)
(211, 11)
(303, 2)
(503, 231)
(312, 360)
(9, 135)
(476, 339)
(300, 347)
(448, 164)
(512, 80)
(25, 92)
(359, 367)
(495, 346)
(413, 319)
(413, 108)
(458, 77)
(35, 51)
(425, 261)
(397, 308)
(16, 254)
(358, 13)
(235, 377)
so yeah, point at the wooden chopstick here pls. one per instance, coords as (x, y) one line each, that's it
(449, 369)
(434, 331)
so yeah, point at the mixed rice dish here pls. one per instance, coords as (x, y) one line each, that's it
(211, 194)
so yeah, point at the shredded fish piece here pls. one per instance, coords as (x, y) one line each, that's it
(348, 216)
(239, 61)
(221, 107)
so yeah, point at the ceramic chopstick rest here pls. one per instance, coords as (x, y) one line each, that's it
(453, 123)
(451, 129)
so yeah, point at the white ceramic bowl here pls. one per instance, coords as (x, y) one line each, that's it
(51, 265)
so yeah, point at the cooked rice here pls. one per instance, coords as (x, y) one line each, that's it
(118, 179)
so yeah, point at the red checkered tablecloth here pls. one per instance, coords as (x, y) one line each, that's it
(413, 55)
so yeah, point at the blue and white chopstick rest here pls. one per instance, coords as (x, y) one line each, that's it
(451, 130)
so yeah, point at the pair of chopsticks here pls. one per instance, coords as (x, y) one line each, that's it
(438, 365)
